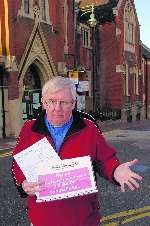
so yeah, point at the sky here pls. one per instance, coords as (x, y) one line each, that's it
(143, 13)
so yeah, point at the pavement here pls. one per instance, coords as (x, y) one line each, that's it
(9, 143)
(111, 125)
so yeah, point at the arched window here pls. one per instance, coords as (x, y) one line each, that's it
(43, 10)
(129, 27)
(86, 35)
(32, 93)
(27, 10)
(26, 6)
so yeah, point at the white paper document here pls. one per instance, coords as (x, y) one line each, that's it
(68, 178)
(36, 158)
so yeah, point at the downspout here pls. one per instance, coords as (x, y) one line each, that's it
(2, 71)
(146, 90)
(75, 14)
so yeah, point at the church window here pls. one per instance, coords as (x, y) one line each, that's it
(86, 36)
(43, 10)
(26, 6)
(129, 27)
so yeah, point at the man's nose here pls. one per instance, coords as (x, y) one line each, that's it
(58, 105)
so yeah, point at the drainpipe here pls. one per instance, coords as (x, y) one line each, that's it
(2, 71)
(146, 90)
(75, 14)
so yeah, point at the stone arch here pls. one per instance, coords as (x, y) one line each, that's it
(36, 53)
(44, 69)
(43, 74)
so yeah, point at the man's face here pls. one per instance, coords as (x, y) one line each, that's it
(58, 106)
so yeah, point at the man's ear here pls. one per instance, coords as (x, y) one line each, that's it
(74, 104)
(43, 101)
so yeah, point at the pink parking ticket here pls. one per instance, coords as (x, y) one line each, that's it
(68, 178)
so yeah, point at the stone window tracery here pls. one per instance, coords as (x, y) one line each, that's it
(27, 10)
(86, 35)
(43, 10)
(129, 27)
(26, 7)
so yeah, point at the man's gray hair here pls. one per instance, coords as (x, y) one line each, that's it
(59, 83)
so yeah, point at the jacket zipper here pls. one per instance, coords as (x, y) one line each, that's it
(66, 139)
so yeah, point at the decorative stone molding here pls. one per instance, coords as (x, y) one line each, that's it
(36, 11)
(37, 50)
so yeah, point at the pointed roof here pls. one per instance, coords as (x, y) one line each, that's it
(37, 49)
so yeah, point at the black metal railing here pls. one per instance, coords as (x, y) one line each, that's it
(106, 114)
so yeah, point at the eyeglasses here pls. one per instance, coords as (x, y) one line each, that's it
(62, 103)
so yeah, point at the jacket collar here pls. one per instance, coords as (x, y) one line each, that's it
(39, 124)
(40, 127)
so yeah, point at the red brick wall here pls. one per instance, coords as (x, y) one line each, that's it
(54, 34)
(21, 29)
(112, 54)
(148, 82)
(110, 81)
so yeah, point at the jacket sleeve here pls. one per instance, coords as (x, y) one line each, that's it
(106, 159)
(17, 174)
(18, 178)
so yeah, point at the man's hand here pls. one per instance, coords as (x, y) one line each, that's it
(125, 176)
(31, 187)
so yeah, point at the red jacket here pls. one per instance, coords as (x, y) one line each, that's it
(82, 139)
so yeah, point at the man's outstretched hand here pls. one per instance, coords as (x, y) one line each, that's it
(126, 177)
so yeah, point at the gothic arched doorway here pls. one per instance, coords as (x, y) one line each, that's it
(32, 93)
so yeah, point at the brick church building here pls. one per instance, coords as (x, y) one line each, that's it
(35, 40)
(119, 75)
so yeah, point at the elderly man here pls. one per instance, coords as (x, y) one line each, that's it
(72, 135)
